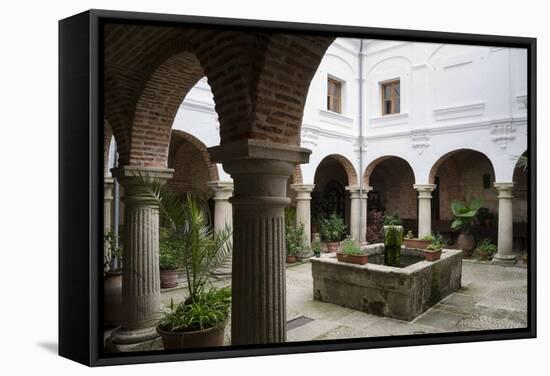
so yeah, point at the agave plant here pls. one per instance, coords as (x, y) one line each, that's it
(200, 249)
(465, 214)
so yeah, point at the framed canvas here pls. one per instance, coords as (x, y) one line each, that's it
(216, 177)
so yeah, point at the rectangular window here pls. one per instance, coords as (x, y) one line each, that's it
(486, 181)
(391, 98)
(334, 96)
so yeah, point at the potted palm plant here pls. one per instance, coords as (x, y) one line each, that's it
(332, 230)
(168, 260)
(352, 253)
(464, 215)
(199, 320)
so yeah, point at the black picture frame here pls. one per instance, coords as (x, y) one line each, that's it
(81, 193)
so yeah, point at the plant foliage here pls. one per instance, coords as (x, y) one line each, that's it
(464, 214)
(351, 247)
(295, 239)
(332, 228)
(485, 249)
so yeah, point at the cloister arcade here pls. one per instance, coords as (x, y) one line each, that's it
(259, 165)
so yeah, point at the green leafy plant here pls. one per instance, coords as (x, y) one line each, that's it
(316, 248)
(409, 235)
(434, 246)
(485, 249)
(464, 214)
(392, 220)
(200, 251)
(434, 237)
(211, 309)
(112, 258)
(294, 240)
(332, 228)
(290, 216)
(168, 251)
(351, 247)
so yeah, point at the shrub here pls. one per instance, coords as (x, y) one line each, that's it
(168, 251)
(409, 235)
(392, 220)
(485, 249)
(375, 222)
(350, 247)
(209, 310)
(332, 228)
(464, 214)
(294, 240)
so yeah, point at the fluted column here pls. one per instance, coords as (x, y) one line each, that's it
(358, 215)
(424, 208)
(505, 224)
(107, 212)
(260, 171)
(223, 215)
(303, 214)
(140, 260)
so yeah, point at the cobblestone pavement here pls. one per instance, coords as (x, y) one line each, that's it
(491, 297)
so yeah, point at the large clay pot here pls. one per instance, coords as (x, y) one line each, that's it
(466, 243)
(112, 298)
(168, 278)
(353, 259)
(210, 337)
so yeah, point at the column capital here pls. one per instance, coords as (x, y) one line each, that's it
(355, 189)
(259, 149)
(302, 187)
(128, 174)
(505, 189)
(424, 190)
(223, 190)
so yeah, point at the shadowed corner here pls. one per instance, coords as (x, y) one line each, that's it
(51, 347)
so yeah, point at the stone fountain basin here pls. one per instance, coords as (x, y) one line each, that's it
(398, 292)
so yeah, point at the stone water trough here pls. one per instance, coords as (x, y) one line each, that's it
(398, 292)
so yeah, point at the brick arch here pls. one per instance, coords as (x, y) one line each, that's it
(297, 175)
(148, 71)
(372, 165)
(445, 157)
(179, 138)
(346, 165)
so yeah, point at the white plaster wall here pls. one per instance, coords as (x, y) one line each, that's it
(452, 97)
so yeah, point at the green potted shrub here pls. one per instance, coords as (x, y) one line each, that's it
(464, 215)
(316, 248)
(168, 260)
(412, 242)
(352, 253)
(332, 230)
(393, 239)
(485, 250)
(112, 280)
(294, 242)
(200, 319)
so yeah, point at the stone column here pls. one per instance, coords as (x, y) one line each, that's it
(505, 225)
(358, 225)
(107, 212)
(140, 260)
(303, 214)
(223, 215)
(260, 171)
(424, 208)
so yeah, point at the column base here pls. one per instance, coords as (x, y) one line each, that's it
(304, 254)
(504, 260)
(123, 336)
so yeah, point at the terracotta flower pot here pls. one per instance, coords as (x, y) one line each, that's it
(333, 246)
(291, 259)
(211, 337)
(168, 278)
(416, 243)
(432, 255)
(112, 298)
(353, 259)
